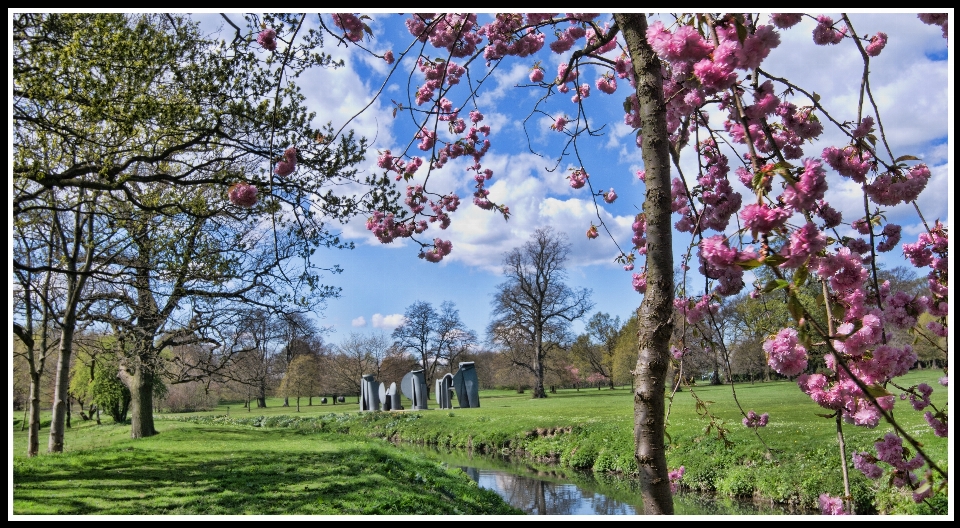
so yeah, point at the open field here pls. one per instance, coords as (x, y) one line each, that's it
(326, 459)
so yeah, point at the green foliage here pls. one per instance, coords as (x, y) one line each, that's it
(94, 381)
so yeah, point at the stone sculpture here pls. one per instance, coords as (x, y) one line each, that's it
(467, 386)
(444, 388)
(368, 393)
(389, 397)
(414, 387)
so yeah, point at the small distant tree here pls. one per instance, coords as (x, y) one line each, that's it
(597, 378)
(301, 378)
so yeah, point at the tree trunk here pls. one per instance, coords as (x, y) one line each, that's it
(538, 391)
(58, 421)
(33, 433)
(140, 384)
(655, 314)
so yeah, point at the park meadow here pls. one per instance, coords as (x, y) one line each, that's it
(336, 460)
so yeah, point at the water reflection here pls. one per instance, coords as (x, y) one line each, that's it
(548, 490)
(546, 497)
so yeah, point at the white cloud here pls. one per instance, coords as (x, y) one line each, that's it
(358, 322)
(387, 321)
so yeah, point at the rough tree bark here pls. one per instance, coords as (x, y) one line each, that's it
(655, 314)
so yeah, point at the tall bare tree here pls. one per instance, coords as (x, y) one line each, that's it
(534, 305)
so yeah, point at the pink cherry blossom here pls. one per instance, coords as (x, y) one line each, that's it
(755, 421)
(785, 354)
(825, 33)
(785, 20)
(288, 163)
(830, 505)
(243, 194)
(675, 476)
(351, 24)
(268, 39)
(578, 178)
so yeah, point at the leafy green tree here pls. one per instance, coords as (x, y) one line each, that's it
(127, 125)
(301, 378)
(625, 352)
(604, 330)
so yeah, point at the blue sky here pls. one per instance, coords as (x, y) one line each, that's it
(911, 81)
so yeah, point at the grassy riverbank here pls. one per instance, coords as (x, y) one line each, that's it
(195, 469)
(586, 429)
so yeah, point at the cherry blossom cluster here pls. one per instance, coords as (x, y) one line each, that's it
(441, 248)
(403, 169)
(849, 161)
(267, 38)
(675, 476)
(503, 38)
(578, 178)
(902, 309)
(610, 196)
(803, 244)
(830, 505)
(639, 239)
(455, 32)
(922, 400)
(931, 251)
(890, 451)
(693, 310)
(826, 33)
(351, 24)
(242, 194)
(876, 45)
(720, 201)
(536, 74)
(894, 187)
(640, 282)
(437, 74)
(936, 19)
(287, 163)
(385, 227)
(841, 393)
(721, 262)
(785, 354)
(753, 420)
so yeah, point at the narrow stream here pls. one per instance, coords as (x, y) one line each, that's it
(556, 491)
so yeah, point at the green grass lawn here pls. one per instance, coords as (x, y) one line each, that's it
(275, 460)
(192, 469)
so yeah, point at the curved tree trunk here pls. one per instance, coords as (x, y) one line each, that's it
(656, 310)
